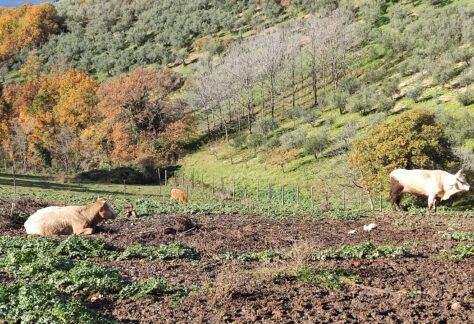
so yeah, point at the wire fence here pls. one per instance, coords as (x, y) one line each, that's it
(314, 196)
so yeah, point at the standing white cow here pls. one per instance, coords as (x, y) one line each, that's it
(437, 185)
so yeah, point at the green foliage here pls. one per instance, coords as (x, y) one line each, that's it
(255, 140)
(149, 288)
(365, 250)
(86, 277)
(466, 97)
(457, 235)
(415, 93)
(317, 143)
(261, 256)
(460, 251)
(339, 101)
(239, 140)
(265, 125)
(164, 252)
(79, 247)
(136, 33)
(412, 140)
(294, 139)
(119, 175)
(27, 302)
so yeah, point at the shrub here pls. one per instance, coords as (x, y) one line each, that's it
(293, 139)
(273, 142)
(415, 93)
(412, 140)
(457, 235)
(460, 251)
(339, 101)
(239, 140)
(255, 140)
(317, 143)
(265, 125)
(115, 175)
(466, 97)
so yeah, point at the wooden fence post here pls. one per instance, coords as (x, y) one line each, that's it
(159, 176)
(269, 191)
(182, 179)
(233, 190)
(245, 192)
(187, 190)
(312, 197)
(343, 199)
(298, 195)
(380, 197)
(258, 190)
(222, 185)
(166, 177)
(213, 186)
(192, 180)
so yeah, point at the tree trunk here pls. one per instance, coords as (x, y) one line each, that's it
(272, 95)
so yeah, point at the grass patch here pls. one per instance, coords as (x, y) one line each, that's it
(365, 251)
(261, 256)
(323, 278)
(456, 235)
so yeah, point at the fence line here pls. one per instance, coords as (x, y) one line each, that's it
(309, 196)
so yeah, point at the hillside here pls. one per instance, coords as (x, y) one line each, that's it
(249, 90)
(410, 55)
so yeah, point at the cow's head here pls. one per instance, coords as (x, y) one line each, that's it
(106, 212)
(461, 182)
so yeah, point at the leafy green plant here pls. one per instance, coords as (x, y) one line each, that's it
(457, 235)
(365, 250)
(39, 303)
(79, 247)
(149, 288)
(460, 251)
(164, 252)
(265, 256)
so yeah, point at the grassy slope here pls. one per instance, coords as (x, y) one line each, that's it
(246, 166)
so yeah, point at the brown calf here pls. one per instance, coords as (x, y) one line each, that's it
(179, 196)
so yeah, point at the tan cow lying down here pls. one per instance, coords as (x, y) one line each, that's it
(79, 220)
(437, 185)
(179, 196)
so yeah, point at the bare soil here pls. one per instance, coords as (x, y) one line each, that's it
(422, 288)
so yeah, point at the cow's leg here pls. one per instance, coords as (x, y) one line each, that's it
(81, 230)
(432, 202)
(87, 231)
(396, 192)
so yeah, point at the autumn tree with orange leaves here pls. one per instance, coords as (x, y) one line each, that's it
(141, 120)
(26, 27)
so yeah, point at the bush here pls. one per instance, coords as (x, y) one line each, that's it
(412, 140)
(414, 93)
(264, 126)
(317, 143)
(365, 251)
(466, 97)
(115, 175)
(338, 101)
(239, 141)
(273, 142)
(293, 139)
(255, 140)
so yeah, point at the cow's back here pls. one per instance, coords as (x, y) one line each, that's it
(415, 181)
(51, 220)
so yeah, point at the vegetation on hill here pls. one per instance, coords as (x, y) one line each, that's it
(279, 87)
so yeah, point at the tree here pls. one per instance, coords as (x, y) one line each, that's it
(412, 140)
